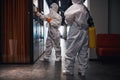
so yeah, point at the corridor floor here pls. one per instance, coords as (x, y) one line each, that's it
(52, 70)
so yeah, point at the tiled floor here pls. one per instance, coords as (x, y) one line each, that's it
(52, 71)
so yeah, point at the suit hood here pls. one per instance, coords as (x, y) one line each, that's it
(78, 1)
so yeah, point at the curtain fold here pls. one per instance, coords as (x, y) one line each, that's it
(15, 31)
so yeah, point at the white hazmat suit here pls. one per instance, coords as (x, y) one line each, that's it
(77, 40)
(53, 38)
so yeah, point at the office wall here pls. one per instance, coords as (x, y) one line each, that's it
(114, 17)
(99, 11)
(106, 17)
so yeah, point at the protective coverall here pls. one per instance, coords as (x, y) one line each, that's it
(53, 38)
(77, 40)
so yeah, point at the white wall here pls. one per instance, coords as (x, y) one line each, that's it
(46, 11)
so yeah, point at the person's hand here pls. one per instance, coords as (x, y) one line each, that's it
(48, 19)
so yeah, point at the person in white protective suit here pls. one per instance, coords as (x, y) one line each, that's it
(53, 38)
(77, 41)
